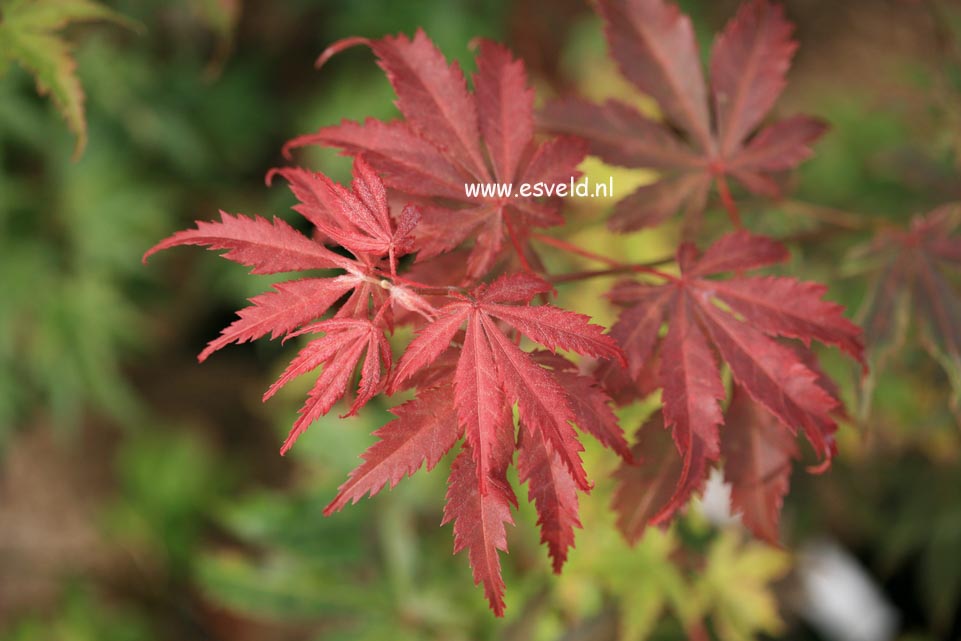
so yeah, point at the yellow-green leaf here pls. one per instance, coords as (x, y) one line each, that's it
(28, 36)
(736, 587)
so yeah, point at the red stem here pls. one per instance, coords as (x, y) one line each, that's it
(517, 245)
(574, 249)
(640, 268)
(728, 201)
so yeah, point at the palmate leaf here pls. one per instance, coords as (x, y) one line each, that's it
(655, 49)
(783, 381)
(424, 431)
(490, 375)
(28, 36)
(354, 338)
(440, 146)
(912, 284)
(757, 463)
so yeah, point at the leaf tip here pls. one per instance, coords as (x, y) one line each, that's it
(337, 47)
(269, 177)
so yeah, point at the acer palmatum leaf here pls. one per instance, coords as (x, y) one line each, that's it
(553, 493)
(359, 221)
(757, 463)
(739, 319)
(490, 375)
(425, 429)
(479, 519)
(493, 372)
(442, 143)
(654, 46)
(912, 284)
(658, 482)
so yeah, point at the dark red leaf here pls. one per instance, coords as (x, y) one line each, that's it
(757, 453)
(655, 48)
(659, 482)
(553, 493)
(738, 319)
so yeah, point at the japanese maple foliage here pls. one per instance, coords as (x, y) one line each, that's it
(911, 271)
(449, 137)
(709, 133)
(473, 357)
(469, 396)
(739, 320)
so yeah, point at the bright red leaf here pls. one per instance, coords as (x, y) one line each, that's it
(491, 375)
(359, 221)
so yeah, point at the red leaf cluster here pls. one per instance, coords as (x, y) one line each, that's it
(465, 361)
(475, 290)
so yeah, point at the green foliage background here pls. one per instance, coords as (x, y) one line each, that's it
(141, 497)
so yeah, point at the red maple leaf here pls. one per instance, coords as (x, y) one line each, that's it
(757, 463)
(357, 220)
(911, 284)
(443, 143)
(465, 362)
(757, 454)
(738, 319)
(658, 481)
(655, 49)
(490, 374)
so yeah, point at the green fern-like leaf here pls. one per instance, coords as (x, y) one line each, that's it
(29, 36)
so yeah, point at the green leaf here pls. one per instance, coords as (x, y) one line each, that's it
(281, 587)
(28, 36)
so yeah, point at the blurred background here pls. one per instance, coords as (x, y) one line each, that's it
(141, 494)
